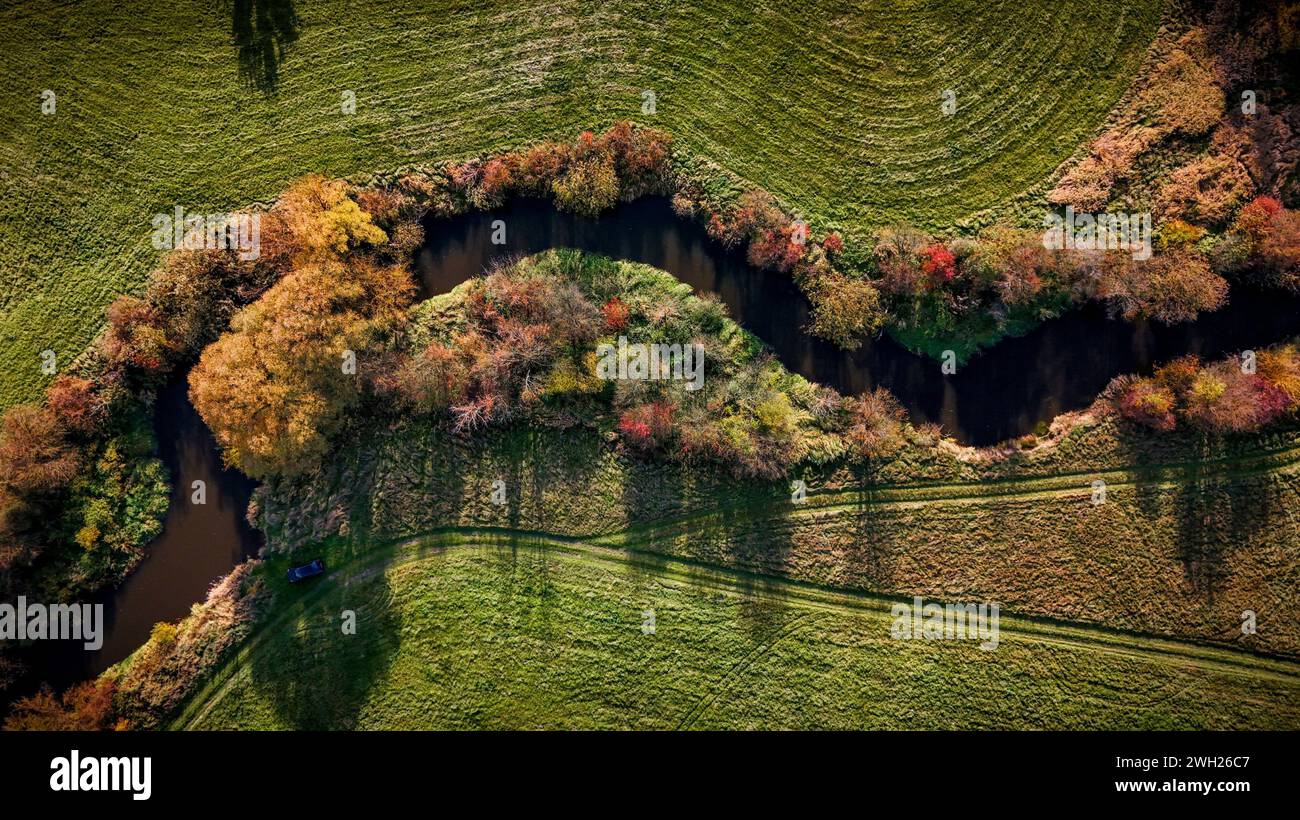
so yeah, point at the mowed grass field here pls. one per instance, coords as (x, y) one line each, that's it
(1189, 537)
(481, 631)
(833, 106)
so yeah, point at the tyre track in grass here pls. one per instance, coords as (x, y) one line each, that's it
(706, 702)
(1059, 485)
(815, 599)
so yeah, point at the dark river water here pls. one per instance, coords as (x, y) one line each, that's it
(1001, 393)
(199, 544)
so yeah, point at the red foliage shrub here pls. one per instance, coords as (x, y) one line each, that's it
(1218, 398)
(1147, 403)
(833, 243)
(647, 427)
(1280, 366)
(897, 258)
(1255, 219)
(542, 164)
(385, 205)
(775, 249)
(938, 264)
(616, 314)
(498, 178)
(1272, 236)
(464, 176)
(135, 337)
(75, 403)
(1223, 399)
(641, 157)
(84, 707)
(719, 230)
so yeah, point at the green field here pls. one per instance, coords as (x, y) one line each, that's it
(834, 107)
(1182, 546)
(487, 631)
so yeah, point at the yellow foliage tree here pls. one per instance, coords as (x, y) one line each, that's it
(279, 383)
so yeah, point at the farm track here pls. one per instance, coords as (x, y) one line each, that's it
(624, 545)
(812, 598)
(1060, 485)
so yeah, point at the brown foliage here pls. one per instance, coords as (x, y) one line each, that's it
(1206, 191)
(34, 454)
(84, 707)
(898, 260)
(75, 403)
(1171, 287)
(1181, 93)
(1218, 398)
(875, 423)
(845, 310)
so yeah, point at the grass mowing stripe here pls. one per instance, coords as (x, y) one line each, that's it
(832, 106)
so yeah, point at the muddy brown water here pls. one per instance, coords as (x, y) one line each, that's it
(198, 545)
(1000, 393)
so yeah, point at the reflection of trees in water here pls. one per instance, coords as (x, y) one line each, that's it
(262, 29)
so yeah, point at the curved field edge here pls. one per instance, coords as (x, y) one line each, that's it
(835, 110)
(777, 657)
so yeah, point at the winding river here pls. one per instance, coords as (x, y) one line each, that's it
(1001, 393)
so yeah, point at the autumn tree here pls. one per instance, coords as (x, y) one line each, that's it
(844, 310)
(875, 425)
(278, 384)
(76, 403)
(323, 222)
(84, 707)
(1170, 287)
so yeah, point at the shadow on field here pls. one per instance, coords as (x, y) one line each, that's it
(262, 30)
(1217, 515)
(1212, 511)
(871, 554)
(316, 674)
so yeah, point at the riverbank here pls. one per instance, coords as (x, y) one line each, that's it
(1013, 389)
(1188, 533)
(120, 156)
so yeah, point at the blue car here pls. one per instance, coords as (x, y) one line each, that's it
(309, 570)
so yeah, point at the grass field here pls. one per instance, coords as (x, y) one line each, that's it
(1184, 543)
(492, 632)
(834, 107)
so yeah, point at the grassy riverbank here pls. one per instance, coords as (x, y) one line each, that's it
(533, 548)
(1181, 546)
(834, 109)
(1193, 529)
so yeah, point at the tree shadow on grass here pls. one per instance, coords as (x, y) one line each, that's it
(316, 674)
(740, 526)
(871, 553)
(262, 30)
(1216, 514)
